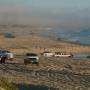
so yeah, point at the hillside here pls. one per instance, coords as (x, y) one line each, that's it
(39, 44)
(62, 73)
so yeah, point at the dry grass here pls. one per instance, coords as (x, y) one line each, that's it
(16, 71)
(5, 85)
(39, 44)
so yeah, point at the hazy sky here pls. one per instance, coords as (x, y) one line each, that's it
(51, 4)
(66, 12)
(44, 4)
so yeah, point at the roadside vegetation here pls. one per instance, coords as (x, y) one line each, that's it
(5, 85)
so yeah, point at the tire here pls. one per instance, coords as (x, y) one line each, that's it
(11, 59)
(25, 62)
(3, 59)
(37, 63)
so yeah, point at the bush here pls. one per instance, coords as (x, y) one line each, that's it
(6, 85)
(9, 35)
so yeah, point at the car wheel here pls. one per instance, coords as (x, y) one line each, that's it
(3, 59)
(25, 62)
(37, 63)
(11, 59)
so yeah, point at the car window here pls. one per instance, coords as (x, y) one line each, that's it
(33, 59)
(31, 54)
(8, 51)
(4, 51)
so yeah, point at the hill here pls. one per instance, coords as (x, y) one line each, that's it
(38, 44)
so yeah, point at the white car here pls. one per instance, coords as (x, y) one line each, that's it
(7, 53)
(47, 54)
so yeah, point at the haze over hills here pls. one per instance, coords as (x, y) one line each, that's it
(70, 15)
(66, 19)
(82, 35)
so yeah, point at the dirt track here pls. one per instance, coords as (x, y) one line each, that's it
(52, 72)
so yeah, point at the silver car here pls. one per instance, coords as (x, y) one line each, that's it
(31, 58)
(6, 53)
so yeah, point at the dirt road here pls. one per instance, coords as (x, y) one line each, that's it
(52, 72)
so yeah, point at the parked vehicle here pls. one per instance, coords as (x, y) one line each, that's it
(31, 58)
(59, 54)
(6, 53)
(47, 54)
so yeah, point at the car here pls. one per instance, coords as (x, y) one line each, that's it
(47, 54)
(31, 58)
(7, 54)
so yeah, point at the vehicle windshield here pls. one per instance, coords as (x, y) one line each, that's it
(8, 51)
(31, 54)
(4, 51)
(33, 59)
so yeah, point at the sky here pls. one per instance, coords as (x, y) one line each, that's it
(44, 4)
(68, 13)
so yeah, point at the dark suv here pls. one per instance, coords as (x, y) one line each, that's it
(31, 58)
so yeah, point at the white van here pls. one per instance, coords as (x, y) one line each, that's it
(47, 54)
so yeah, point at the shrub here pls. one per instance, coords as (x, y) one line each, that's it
(6, 85)
(9, 35)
